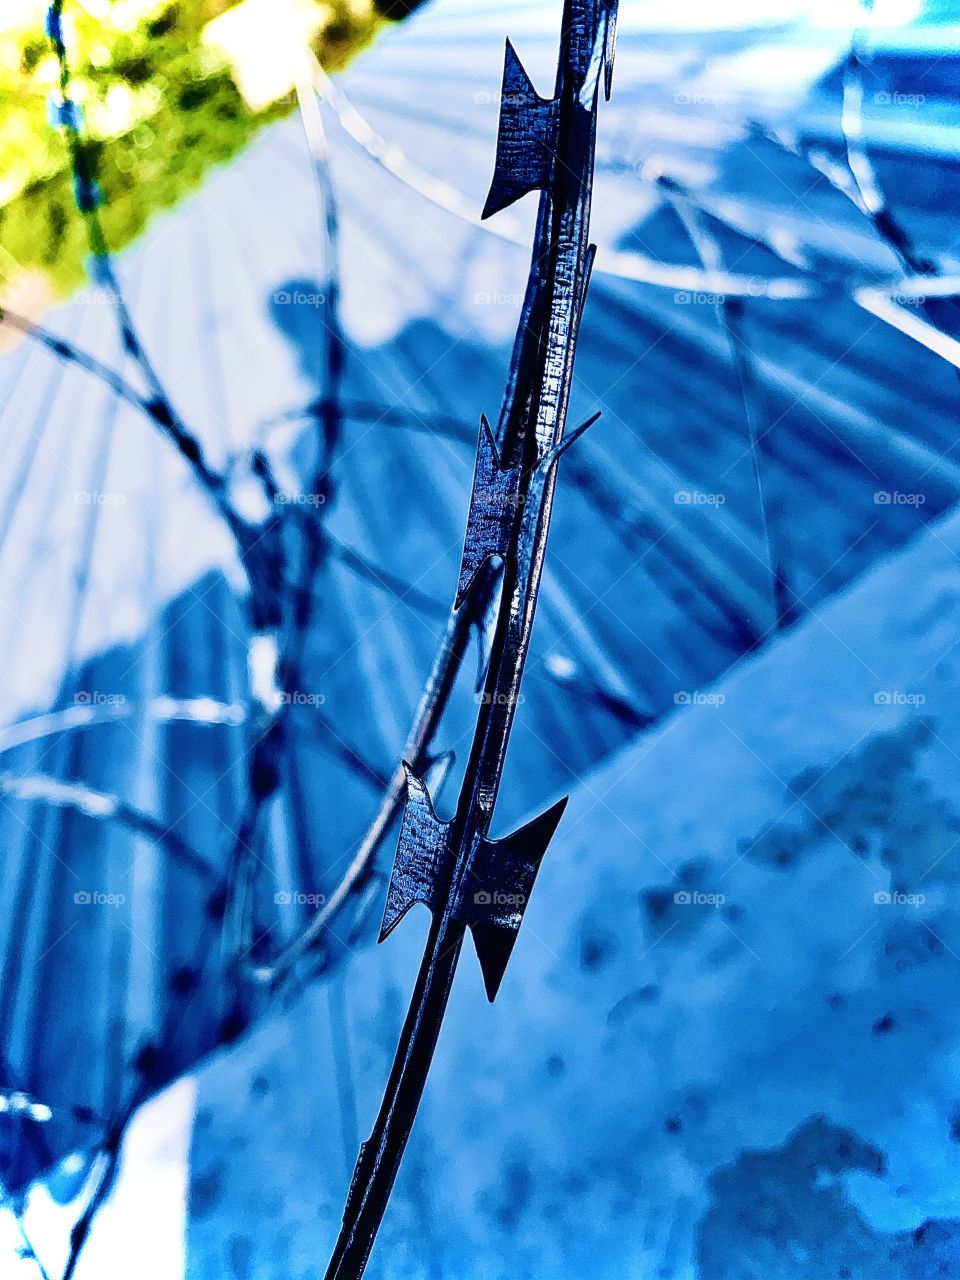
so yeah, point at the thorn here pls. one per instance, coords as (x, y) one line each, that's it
(609, 49)
(524, 154)
(437, 771)
(494, 947)
(493, 506)
(587, 276)
(484, 626)
(490, 439)
(495, 890)
(484, 649)
(562, 445)
(421, 853)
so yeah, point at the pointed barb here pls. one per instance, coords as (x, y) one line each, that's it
(420, 859)
(493, 506)
(485, 622)
(562, 445)
(484, 632)
(609, 48)
(525, 141)
(494, 947)
(438, 770)
(488, 442)
(496, 888)
(587, 276)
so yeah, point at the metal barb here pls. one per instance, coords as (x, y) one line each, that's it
(464, 877)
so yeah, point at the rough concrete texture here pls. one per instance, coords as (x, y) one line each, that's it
(726, 1046)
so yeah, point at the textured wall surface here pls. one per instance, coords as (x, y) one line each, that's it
(725, 1048)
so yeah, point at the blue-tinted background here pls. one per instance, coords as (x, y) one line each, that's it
(726, 1046)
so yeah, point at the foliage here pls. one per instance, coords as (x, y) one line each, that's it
(160, 109)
